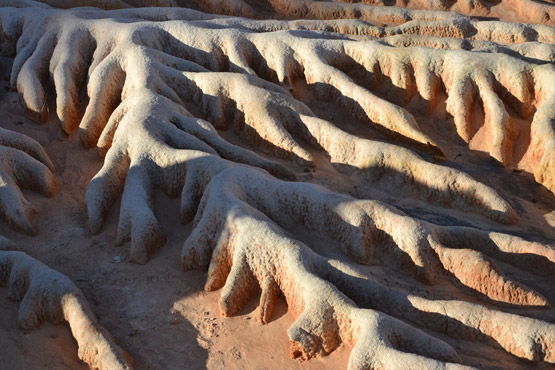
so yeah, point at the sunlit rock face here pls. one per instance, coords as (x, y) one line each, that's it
(380, 173)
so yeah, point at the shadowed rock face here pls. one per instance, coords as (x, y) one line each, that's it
(239, 117)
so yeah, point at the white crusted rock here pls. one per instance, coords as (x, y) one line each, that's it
(46, 294)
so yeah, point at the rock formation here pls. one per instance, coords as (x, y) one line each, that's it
(217, 110)
(48, 295)
(24, 164)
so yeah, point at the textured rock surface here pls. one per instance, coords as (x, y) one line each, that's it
(23, 164)
(48, 295)
(315, 160)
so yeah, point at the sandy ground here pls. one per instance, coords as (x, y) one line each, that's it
(162, 316)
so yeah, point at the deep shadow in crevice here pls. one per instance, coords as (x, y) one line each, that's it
(397, 304)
